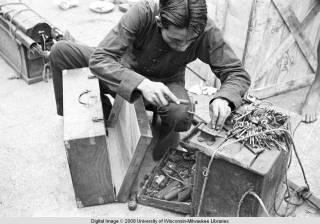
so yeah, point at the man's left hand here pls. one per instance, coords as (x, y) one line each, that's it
(219, 110)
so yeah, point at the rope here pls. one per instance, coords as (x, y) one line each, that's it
(251, 192)
(299, 161)
(206, 176)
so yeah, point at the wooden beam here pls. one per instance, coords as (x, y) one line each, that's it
(115, 111)
(273, 90)
(256, 37)
(271, 61)
(294, 26)
(250, 25)
(311, 15)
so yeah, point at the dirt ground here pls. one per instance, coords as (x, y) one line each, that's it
(35, 174)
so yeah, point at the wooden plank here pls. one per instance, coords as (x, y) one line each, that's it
(276, 89)
(128, 141)
(253, 55)
(275, 57)
(140, 150)
(294, 26)
(253, 13)
(76, 82)
(85, 140)
(115, 111)
(311, 15)
(90, 172)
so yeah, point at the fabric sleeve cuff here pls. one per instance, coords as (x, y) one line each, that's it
(233, 99)
(128, 86)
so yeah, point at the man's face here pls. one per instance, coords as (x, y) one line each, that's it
(178, 39)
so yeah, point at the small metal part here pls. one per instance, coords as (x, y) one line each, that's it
(255, 150)
(204, 128)
(159, 179)
(173, 178)
(184, 102)
(197, 117)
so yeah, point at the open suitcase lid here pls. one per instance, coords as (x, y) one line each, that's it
(129, 135)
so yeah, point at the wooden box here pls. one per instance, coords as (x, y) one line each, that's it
(176, 206)
(234, 171)
(103, 168)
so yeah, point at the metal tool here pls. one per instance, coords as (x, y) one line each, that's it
(305, 194)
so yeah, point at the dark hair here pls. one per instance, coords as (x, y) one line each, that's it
(184, 13)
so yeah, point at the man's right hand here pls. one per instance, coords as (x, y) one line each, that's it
(157, 93)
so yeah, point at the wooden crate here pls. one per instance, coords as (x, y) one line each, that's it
(103, 168)
(234, 171)
(275, 39)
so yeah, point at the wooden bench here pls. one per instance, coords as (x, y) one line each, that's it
(103, 168)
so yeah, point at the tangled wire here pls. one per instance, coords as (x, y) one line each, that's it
(255, 124)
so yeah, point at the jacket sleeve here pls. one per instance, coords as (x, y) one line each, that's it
(106, 63)
(235, 81)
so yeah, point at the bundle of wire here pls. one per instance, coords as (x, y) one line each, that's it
(256, 122)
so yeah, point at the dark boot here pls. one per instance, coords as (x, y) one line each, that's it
(171, 140)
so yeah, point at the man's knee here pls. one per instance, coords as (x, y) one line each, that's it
(57, 51)
(178, 115)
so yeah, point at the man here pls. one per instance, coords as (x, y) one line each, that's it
(310, 107)
(146, 54)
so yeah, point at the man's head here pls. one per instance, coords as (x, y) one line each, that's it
(182, 21)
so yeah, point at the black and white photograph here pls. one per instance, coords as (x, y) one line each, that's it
(159, 111)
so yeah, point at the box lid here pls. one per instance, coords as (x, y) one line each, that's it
(129, 136)
(127, 139)
(82, 97)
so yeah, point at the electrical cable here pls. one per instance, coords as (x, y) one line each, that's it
(251, 192)
(206, 176)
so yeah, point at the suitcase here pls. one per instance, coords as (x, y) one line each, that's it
(103, 161)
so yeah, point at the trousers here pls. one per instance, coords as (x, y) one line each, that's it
(69, 55)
